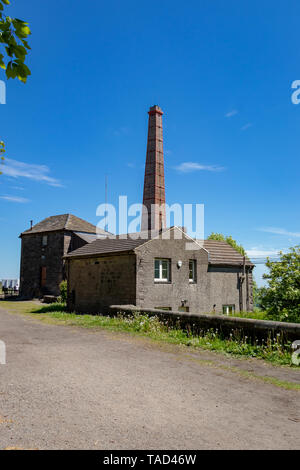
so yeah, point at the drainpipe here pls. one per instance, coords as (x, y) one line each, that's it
(241, 279)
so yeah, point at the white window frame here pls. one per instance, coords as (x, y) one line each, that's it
(161, 278)
(194, 271)
(45, 240)
(227, 307)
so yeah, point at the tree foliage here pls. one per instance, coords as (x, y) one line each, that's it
(281, 298)
(229, 240)
(13, 37)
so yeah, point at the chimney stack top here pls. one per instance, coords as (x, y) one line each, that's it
(155, 110)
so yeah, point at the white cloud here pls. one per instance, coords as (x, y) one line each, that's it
(257, 253)
(16, 169)
(279, 231)
(246, 126)
(231, 113)
(188, 167)
(21, 200)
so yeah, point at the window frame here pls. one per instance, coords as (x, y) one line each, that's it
(44, 240)
(162, 279)
(228, 306)
(193, 280)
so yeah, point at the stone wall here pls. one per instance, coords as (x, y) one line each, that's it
(197, 322)
(34, 256)
(214, 285)
(95, 283)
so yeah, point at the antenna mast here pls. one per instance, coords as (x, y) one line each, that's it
(106, 228)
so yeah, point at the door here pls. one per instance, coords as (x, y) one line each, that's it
(43, 276)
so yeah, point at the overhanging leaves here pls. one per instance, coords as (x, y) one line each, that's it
(13, 35)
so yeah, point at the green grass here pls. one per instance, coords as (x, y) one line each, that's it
(256, 315)
(264, 315)
(274, 351)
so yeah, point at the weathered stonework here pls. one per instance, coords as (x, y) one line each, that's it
(42, 264)
(214, 286)
(154, 198)
(96, 281)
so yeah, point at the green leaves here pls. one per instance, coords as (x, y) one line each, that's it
(229, 240)
(281, 298)
(13, 36)
(17, 69)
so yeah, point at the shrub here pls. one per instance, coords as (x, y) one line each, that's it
(281, 297)
(63, 286)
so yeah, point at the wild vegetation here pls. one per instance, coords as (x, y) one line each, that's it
(228, 239)
(273, 350)
(279, 300)
(281, 297)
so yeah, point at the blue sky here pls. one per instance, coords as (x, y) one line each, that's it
(221, 72)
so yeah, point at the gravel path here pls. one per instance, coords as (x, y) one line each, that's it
(66, 388)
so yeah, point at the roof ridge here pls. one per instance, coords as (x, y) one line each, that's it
(67, 221)
(60, 222)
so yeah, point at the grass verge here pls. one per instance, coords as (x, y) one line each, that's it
(272, 350)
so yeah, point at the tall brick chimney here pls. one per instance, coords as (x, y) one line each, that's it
(154, 184)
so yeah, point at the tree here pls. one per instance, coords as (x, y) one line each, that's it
(281, 298)
(229, 240)
(13, 37)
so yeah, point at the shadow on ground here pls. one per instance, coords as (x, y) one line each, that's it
(50, 308)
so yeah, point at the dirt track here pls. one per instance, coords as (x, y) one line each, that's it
(66, 388)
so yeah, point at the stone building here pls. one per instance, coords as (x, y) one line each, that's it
(154, 268)
(159, 273)
(149, 269)
(43, 247)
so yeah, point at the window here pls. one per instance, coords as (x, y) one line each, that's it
(228, 309)
(45, 240)
(192, 270)
(162, 270)
(183, 308)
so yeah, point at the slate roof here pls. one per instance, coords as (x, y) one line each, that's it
(220, 253)
(106, 245)
(88, 237)
(62, 222)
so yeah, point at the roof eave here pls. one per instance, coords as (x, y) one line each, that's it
(98, 255)
(228, 264)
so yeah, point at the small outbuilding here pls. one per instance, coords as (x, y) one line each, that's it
(171, 271)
